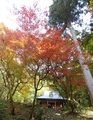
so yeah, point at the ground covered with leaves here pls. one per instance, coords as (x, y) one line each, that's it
(22, 112)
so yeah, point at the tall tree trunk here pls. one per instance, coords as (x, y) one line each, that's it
(85, 69)
(33, 105)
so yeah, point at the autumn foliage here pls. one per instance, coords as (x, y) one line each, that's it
(40, 50)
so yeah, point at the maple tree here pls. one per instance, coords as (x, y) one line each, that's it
(11, 71)
(41, 58)
(31, 25)
(31, 20)
(70, 84)
(33, 65)
(64, 73)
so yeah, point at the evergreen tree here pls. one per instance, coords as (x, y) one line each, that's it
(64, 12)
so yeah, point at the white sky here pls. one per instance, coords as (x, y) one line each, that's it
(7, 18)
(10, 21)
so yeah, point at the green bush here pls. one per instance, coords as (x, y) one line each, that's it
(38, 114)
(3, 108)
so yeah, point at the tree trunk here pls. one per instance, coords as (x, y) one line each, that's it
(85, 69)
(12, 106)
(33, 104)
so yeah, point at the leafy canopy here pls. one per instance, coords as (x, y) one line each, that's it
(66, 11)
